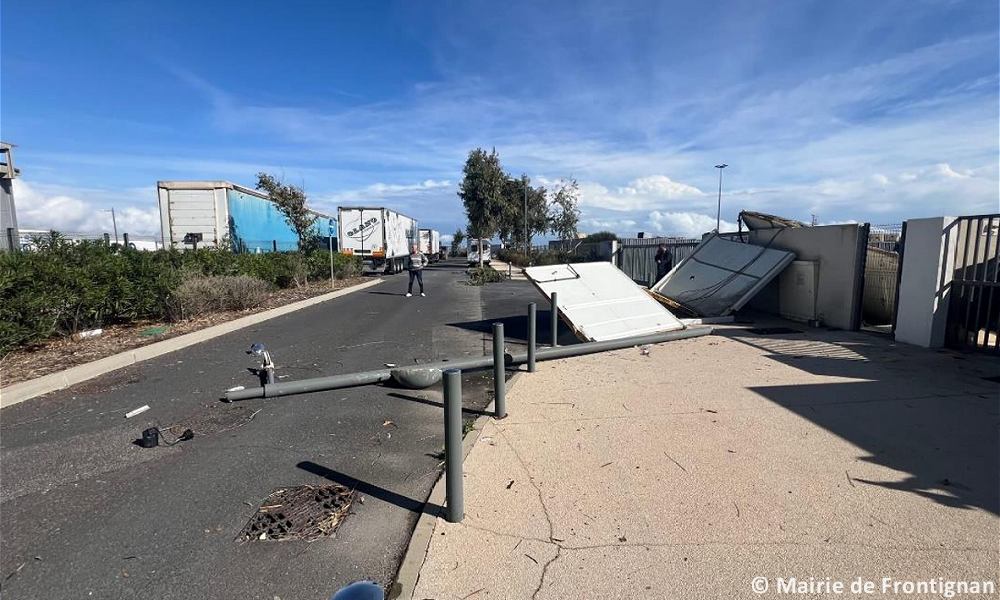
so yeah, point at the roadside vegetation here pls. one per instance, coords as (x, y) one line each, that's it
(582, 250)
(66, 287)
(484, 275)
(498, 204)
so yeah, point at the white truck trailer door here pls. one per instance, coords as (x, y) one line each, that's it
(361, 230)
(192, 211)
(401, 232)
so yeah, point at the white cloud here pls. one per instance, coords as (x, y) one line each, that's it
(623, 227)
(655, 223)
(686, 224)
(63, 209)
(644, 193)
(946, 171)
(382, 191)
(395, 189)
(660, 186)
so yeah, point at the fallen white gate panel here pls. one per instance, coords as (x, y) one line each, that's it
(600, 302)
(721, 276)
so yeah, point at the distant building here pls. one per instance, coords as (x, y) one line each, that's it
(9, 234)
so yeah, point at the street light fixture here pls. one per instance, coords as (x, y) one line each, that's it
(718, 213)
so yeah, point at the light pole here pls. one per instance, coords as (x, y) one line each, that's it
(718, 212)
(524, 180)
(114, 221)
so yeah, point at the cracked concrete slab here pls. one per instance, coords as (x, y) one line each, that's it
(467, 559)
(688, 472)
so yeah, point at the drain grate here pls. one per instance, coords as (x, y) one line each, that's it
(303, 512)
(772, 330)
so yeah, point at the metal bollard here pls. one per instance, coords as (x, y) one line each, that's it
(499, 373)
(531, 337)
(455, 509)
(554, 316)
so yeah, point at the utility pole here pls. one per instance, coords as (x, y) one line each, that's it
(114, 221)
(718, 213)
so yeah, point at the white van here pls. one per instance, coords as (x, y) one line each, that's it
(474, 253)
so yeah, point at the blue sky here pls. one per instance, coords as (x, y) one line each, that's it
(852, 111)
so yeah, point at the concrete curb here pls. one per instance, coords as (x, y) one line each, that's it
(405, 583)
(26, 390)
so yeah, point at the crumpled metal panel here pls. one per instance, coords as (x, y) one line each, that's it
(600, 302)
(721, 276)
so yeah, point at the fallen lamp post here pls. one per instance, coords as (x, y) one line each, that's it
(347, 380)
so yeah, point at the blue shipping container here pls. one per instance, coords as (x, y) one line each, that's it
(220, 211)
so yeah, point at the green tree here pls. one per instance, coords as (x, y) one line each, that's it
(456, 241)
(564, 216)
(291, 201)
(601, 236)
(481, 192)
(517, 193)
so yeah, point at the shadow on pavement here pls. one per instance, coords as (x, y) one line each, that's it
(369, 489)
(928, 415)
(435, 404)
(387, 293)
(516, 328)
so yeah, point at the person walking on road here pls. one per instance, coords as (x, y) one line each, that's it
(417, 263)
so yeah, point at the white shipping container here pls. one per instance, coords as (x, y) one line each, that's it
(221, 213)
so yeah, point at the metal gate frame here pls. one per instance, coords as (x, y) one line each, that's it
(899, 276)
(973, 286)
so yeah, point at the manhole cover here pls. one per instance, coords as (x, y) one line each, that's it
(303, 512)
(772, 330)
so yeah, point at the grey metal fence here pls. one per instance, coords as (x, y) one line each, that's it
(881, 285)
(636, 257)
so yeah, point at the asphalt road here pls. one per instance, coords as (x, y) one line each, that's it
(85, 513)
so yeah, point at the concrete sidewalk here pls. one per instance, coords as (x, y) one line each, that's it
(516, 273)
(713, 461)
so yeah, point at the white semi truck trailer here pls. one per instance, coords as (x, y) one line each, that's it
(430, 244)
(382, 238)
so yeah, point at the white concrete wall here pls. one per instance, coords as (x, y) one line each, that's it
(835, 248)
(928, 268)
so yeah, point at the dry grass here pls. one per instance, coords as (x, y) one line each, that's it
(201, 295)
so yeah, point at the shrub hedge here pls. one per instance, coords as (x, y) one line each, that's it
(203, 294)
(65, 287)
(545, 257)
